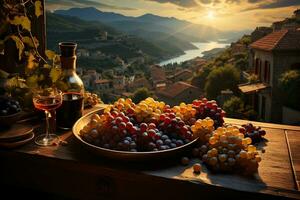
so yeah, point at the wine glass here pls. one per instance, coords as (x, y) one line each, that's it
(48, 100)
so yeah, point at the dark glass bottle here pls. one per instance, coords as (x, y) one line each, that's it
(71, 86)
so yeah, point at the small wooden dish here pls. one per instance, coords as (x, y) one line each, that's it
(16, 132)
(17, 143)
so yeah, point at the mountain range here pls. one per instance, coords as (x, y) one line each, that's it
(85, 33)
(150, 26)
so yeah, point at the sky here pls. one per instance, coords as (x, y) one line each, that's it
(221, 14)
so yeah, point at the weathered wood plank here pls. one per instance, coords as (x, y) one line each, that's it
(263, 124)
(274, 170)
(294, 144)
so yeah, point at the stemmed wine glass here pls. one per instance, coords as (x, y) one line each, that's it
(48, 100)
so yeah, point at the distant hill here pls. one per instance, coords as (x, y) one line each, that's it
(67, 28)
(93, 14)
(148, 22)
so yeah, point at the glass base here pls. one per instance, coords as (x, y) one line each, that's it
(64, 128)
(46, 141)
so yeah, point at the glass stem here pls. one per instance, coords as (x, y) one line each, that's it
(48, 115)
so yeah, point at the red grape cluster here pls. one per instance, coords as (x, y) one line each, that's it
(253, 132)
(118, 131)
(209, 109)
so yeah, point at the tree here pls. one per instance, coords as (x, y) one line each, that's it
(200, 79)
(236, 108)
(289, 83)
(221, 78)
(141, 94)
(246, 39)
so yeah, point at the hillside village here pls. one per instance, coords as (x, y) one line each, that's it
(175, 83)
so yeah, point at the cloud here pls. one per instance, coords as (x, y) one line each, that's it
(280, 4)
(84, 3)
(262, 4)
(210, 1)
(182, 3)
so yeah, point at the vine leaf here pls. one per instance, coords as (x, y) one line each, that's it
(31, 63)
(55, 74)
(32, 81)
(19, 45)
(50, 54)
(3, 74)
(27, 40)
(38, 8)
(23, 21)
(16, 82)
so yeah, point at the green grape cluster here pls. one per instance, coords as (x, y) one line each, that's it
(202, 129)
(149, 110)
(91, 99)
(186, 112)
(228, 150)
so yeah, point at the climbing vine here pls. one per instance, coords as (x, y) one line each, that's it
(34, 69)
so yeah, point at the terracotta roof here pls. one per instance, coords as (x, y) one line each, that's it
(140, 81)
(175, 89)
(157, 73)
(279, 40)
(183, 71)
(102, 81)
(127, 94)
(252, 88)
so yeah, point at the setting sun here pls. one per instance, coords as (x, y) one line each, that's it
(210, 15)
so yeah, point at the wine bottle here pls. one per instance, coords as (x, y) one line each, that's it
(72, 87)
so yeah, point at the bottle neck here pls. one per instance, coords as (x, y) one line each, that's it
(68, 63)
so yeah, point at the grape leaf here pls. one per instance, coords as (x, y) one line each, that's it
(19, 45)
(15, 82)
(27, 40)
(47, 66)
(32, 81)
(23, 21)
(55, 74)
(38, 8)
(50, 54)
(3, 74)
(31, 63)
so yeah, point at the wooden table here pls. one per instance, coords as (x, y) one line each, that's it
(72, 172)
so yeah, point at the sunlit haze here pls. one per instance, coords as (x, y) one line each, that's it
(221, 14)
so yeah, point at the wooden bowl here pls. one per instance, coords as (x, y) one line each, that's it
(125, 155)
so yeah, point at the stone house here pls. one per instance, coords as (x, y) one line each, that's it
(179, 92)
(182, 75)
(139, 83)
(272, 55)
(103, 85)
(158, 77)
(119, 82)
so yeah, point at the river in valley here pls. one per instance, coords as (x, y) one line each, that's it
(190, 54)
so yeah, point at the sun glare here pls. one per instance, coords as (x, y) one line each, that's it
(210, 15)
